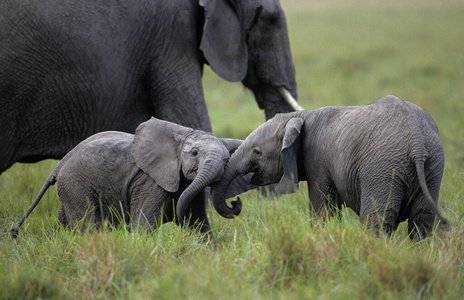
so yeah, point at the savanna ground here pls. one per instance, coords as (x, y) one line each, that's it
(346, 53)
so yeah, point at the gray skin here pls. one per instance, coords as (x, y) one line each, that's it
(70, 69)
(142, 177)
(384, 160)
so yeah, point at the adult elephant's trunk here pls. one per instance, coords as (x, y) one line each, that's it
(218, 193)
(208, 173)
(276, 99)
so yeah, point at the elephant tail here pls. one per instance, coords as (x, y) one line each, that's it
(420, 169)
(50, 181)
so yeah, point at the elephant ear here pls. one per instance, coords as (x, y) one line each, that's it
(231, 144)
(222, 41)
(155, 151)
(291, 143)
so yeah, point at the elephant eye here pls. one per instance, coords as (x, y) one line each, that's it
(194, 152)
(256, 151)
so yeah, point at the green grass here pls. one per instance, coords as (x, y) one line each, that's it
(345, 53)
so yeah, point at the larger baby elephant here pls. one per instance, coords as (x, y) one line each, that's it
(384, 160)
(134, 177)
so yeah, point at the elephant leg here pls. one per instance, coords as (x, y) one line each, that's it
(149, 205)
(198, 218)
(177, 93)
(77, 203)
(62, 216)
(380, 206)
(421, 218)
(324, 199)
(422, 214)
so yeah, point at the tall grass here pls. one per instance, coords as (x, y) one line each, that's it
(346, 53)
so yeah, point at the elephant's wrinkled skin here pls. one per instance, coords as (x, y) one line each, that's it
(70, 69)
(384, 160)
(139, 178)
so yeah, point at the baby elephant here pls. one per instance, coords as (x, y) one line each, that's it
(130, 177)
(384, 160)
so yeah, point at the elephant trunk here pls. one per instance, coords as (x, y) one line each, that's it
(218, 193)
(211, 171)
(276, 99)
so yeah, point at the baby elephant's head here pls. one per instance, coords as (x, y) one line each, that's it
(270, 153)
(164, 150)
(202, 153)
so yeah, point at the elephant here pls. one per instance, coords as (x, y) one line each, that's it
(139, 178)
(70, 69)
(383, 160)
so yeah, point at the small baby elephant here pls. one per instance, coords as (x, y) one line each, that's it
(384, 160)
(134, 178)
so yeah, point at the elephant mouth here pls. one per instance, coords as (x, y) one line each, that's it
(261, 178)
(191, 174)
(257, 178)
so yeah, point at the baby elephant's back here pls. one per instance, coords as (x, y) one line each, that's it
(401, 109)
(391, 120)
(387, 132)
(409, 123)
(98, 167)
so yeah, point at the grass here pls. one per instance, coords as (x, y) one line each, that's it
(346, 53)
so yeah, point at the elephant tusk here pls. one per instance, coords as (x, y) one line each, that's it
(289, 99)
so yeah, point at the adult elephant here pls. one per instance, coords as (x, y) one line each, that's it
(69, 69)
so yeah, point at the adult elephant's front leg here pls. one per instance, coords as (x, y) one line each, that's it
(177, 94)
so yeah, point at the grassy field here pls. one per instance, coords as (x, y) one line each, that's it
(345, 53)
